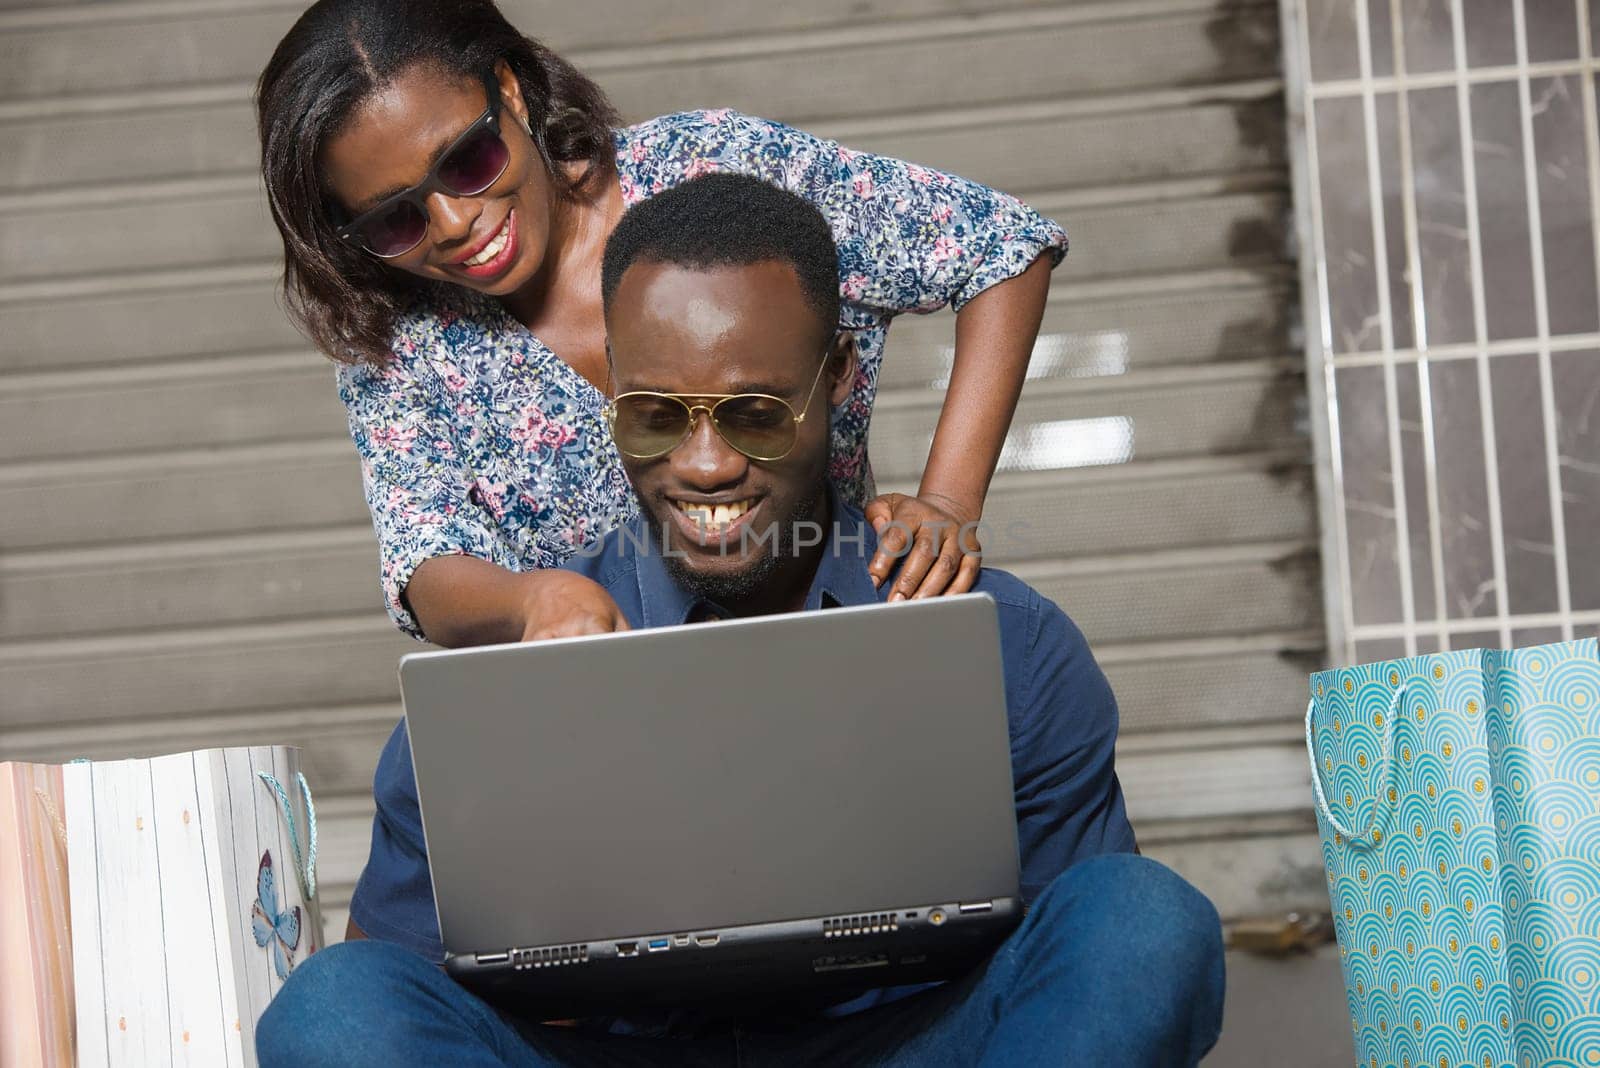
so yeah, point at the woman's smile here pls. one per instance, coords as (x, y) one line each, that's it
(495, 241)
(493, 257)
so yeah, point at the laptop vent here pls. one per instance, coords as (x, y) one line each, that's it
(873, 923)
(548, 957)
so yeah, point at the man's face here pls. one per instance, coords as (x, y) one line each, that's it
(702, 332)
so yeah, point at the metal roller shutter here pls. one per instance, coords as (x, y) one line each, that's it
(185, 559)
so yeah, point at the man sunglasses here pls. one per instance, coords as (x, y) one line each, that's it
(646, 424)
(472, 163)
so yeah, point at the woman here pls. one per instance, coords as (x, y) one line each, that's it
(445, 187)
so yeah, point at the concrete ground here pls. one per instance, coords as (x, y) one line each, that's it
(1284, 1012)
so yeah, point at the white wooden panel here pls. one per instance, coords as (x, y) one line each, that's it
(132, 962)
(93, 1043)
(196, 1032)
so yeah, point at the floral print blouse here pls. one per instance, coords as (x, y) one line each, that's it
(476, 439)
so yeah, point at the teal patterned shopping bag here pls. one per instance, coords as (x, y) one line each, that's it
(1458, 799)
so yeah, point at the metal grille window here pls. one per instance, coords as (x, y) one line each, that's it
(1447, 179)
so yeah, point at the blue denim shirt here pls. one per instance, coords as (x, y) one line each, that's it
(1062, 717)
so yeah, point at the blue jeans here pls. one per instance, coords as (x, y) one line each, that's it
(1119, 962)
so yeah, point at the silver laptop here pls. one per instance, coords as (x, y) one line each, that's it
(817, 802)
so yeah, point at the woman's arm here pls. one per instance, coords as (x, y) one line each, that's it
(995, 332)
(461, 601)
(447, 571)
(994, 340)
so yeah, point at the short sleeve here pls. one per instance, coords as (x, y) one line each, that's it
(910, 238)
(1064, 735)
(393, 900)
(418, 490)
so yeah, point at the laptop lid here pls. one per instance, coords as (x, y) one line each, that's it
(745, 771)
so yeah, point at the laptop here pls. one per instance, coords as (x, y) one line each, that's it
(814, 803)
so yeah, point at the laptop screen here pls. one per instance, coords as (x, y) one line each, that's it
(748, 771)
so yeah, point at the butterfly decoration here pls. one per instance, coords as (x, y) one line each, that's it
(278, 930)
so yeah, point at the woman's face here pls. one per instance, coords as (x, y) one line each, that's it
(393, 138)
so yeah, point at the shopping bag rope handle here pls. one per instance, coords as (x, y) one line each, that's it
(1380, 804)
(305, 869)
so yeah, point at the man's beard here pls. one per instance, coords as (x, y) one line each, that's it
(731, 589)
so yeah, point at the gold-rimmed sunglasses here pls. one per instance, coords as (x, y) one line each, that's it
(646, 424)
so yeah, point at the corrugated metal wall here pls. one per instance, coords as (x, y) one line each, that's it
(185, 558)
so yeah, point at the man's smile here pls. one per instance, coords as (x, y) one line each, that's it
(708, 522)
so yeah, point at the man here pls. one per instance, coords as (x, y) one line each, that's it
(722, 309)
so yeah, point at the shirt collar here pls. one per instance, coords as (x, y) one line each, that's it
(841, 579)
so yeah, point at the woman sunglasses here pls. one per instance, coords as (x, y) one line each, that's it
(472, 163)
(646, 425)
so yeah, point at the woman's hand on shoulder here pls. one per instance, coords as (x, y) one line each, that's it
(932, 538)
(561, 604)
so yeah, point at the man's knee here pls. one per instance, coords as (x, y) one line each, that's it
(1136, 950)
(1138, 916)
(339, 1000)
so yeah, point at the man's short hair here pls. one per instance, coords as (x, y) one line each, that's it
(728, 220)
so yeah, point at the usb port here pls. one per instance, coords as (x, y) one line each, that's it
(627, 949)
(977, 906)
(707, 939)
(656, 945)
(494, 958)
